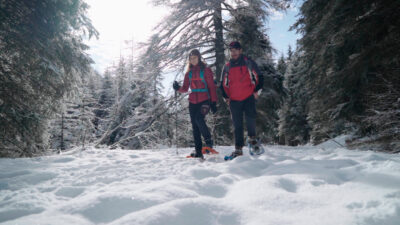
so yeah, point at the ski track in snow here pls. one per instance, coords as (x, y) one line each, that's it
(286, 185)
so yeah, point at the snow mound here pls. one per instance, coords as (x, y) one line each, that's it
(286, 185)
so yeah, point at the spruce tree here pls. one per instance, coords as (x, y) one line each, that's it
(138, 117)
(107, 98)
(293, 125)
(41, 59)
(281, 66)
(351, 67)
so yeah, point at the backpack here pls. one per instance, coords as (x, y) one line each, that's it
(205, 89)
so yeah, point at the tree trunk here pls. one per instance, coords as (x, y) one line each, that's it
(62, 145)
(218, 41)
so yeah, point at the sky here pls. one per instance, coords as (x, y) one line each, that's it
(121, 21)
(278, 31)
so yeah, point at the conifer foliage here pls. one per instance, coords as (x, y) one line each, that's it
(352, 78)
(41, 58)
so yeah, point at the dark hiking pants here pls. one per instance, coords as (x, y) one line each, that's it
(199, 126)
(248, 108)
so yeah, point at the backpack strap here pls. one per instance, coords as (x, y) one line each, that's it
(253, 75)
(225, 73)
(205, 89)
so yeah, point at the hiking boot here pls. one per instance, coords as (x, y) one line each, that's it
(209, 143)
(254, 143)
(195, 155)
(238, 152)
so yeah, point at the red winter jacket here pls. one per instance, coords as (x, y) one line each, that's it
(197, 97)
(237, 82)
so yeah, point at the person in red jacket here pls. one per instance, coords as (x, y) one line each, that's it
(203, 96)
(241, 83)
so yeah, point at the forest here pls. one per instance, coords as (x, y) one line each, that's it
(342, 77)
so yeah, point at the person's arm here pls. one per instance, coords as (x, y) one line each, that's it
(185, 86)
(209, 77)
(260, 76)
(221, 85)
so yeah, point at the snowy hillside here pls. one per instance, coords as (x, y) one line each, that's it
(301, 186)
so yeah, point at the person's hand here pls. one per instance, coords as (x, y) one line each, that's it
(176, 86)
(227, 101)
(213, 106)
(255, 95)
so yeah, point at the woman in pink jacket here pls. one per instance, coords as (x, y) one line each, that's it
(203, 97)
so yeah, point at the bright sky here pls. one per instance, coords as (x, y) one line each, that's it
(122, 20)
(278, 31)
(118, 21)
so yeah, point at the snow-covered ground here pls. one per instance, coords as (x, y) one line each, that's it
(287, 185)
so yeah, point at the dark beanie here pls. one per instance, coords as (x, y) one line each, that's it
(195, 52)
(235, 44)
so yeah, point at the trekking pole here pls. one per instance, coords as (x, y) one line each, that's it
(214, 129)
(176, 123)
(333, 139)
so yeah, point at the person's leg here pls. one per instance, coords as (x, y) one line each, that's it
(236, 108)
(250, 114)
(193, 110)
(202, 125)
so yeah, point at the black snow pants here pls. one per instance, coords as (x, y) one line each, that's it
(199, 126)
(248, 108)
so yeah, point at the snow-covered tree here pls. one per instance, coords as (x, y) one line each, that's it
(199, 24)
(351, 67)
(281, 66)
(139, 116)
(107, 98)
(121, 77)
(73, 125)
(293, 125)
(41, 59)
(289, 54)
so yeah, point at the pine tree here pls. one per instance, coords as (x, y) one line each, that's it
(106, 100)
(122, 84)
(351, 67)
(281, 66)
(199, 24)
(41, 59)
(139, 116)
(289, 54)
(293, 125)
(88, 104)
(73, 125)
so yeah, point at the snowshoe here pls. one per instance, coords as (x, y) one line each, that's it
(195, 155)
(255, 148)
(236, 153)
(208, 151)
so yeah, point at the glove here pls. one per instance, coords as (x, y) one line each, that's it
(176, 86)
(227, 101)
(213, 106)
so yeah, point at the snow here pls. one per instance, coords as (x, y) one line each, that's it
(287, 185)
